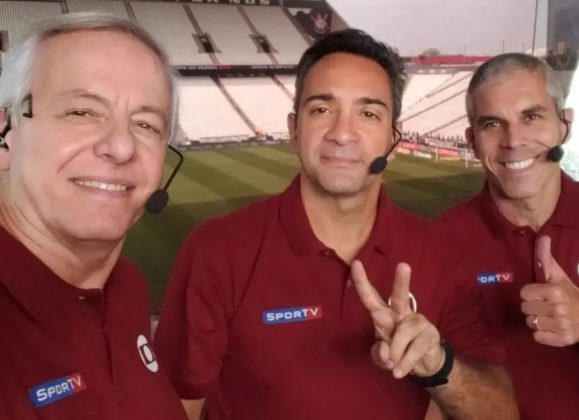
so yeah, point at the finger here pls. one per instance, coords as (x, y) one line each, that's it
(548, 324)
(400, 297)
(415, 352)
(553, 293)
(406, 331)
(553, 339)
(541, 308)
(368, 294)
(384, 324)
(554, 273)
(381, 355)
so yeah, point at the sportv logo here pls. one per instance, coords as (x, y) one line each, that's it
(490, 279)
(286, 315)
(57, 389)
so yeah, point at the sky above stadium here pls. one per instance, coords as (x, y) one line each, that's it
(477, 27)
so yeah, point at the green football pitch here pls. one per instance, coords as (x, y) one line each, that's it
(214, 182)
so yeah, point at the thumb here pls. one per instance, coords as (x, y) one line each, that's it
(553, 271)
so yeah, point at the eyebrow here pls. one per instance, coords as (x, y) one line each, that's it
(328, 97)
(533, 110)
(86, 94)
(372, 101)
(482, 120)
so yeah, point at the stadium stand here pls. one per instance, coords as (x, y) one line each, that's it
(248, 107)
(287, 42)
(116, 8)
(206, 115)
(16, 16)
(455, 86)
(231, 34)
(170, 24)
(419, 85)
(453, 129)
(441, 111)
(263, 101)
(289, 82)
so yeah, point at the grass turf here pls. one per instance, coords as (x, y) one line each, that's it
(214, 182)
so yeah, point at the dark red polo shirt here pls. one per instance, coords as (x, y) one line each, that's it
(71, 354)
(546, 378)
(260, 317)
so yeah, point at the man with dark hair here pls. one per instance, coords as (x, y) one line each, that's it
(523, 229)
(270, 314)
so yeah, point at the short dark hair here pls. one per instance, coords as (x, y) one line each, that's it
(357, 42)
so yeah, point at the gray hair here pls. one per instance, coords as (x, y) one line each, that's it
(507, 63)
(16, 76)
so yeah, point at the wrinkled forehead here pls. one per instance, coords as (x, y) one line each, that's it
(111, 55)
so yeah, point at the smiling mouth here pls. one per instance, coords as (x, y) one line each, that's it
(519, 165)
(103, 186)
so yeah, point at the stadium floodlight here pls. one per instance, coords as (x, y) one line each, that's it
(570, 162)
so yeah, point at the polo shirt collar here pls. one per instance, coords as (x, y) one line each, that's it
(36, 288)
(566, 212)
(301, 237)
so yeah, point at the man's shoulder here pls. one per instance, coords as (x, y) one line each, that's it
(416, 226)
(239, 227)
(466, 212)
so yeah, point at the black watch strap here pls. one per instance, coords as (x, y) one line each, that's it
(440, 377)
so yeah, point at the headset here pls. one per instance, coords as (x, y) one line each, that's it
(556, 153)
(379, 164)
(156, 201)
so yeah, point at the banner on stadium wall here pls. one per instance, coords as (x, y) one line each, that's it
(423, 155)
(448, 153)
(402, 151)
(563, 34)
(408, 145)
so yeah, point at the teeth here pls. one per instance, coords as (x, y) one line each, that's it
(101, 185)
(523, 164)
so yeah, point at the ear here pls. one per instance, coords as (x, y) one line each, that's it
(3, 118)
(469, 136)
(399, 127)
(5, 153)
(566, 117)
(569, 114)
(291, 125)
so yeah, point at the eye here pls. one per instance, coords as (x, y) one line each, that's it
(80, 113)
(532, 117)
(319, 111)
(491, 124)
(149, 127)
(370, 115)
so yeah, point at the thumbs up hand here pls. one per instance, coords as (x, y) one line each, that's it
(552, 308)
(406, 341)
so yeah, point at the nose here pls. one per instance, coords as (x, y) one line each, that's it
(342, 129)
(514, 136)
(118, 144)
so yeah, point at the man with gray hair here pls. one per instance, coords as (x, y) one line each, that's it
(523, 229)
(88, 105)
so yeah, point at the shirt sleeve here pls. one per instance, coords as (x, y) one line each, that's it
(191, 339)
(462, 323)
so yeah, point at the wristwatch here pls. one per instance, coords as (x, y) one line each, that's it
(440, 377)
